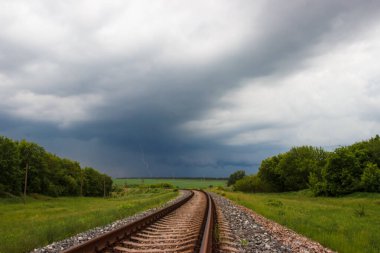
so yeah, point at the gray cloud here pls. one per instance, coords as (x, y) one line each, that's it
(194, 88)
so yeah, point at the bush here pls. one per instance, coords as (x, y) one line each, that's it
(251, 183)
(274, 202)
(349, 169)
(117, 188)
(343, 172)
(296, 165)
(235, 177)
(245, 184)
(360, 212)
(317, 184)
(291, 171)
(163, 185)
(370, 179)
(346, 170)
(159, 185)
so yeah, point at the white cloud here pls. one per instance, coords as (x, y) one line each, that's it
(169, 32)
(50, 108)
(334, 98)
(184, 32)
(57, 55)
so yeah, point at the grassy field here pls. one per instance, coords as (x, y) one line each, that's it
(180, 183)
(348, 224)
(44, 220)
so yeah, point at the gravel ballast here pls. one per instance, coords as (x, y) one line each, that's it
(252, 232)
(255, 233)
(87, 235)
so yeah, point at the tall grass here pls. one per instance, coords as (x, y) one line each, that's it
(45, 220)
(348, 224)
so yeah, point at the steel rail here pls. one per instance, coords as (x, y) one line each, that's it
(208, 232)
(103, 241)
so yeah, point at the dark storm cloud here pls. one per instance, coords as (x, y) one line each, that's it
(116, 90)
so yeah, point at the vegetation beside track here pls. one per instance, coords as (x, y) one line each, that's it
(180, 183)
(44, 219)
(26, 167)
(347, 224)
(348, 169)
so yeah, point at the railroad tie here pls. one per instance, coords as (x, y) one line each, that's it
(177, 232)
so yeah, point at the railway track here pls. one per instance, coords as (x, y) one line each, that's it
(186, 226)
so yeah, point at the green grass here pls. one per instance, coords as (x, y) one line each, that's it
(180, 183)
(349, 224)
(44, 220)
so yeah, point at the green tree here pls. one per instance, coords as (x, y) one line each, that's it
(367, 151)
(343, 172)
(33, 161)
(370, 178)
(269, 173)
(71, 178)
(10, 174)
(235, 176)
(108, 184)
(297, 164)
(95, 183)
(56, 172)
(26, 167)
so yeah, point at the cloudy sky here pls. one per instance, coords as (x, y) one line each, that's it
(188, 88)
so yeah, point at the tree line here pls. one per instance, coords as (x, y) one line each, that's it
(346, 170)
(26, 167)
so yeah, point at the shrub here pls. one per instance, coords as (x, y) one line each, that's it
(343, 172)
(274, 202)
(296, 165)
(235, 177)
(360, 212)
(317, 184)
(370, 178)
(117, 188)
(251, 183)
(159, 185)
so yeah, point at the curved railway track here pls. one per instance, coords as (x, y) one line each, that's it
(186, 226)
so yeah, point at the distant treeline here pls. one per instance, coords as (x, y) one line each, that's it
(174, 178)
(343, 171)
(46, 173)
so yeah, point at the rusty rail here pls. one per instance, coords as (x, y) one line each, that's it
(109, 240)
(101, 242)
(207, 239)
